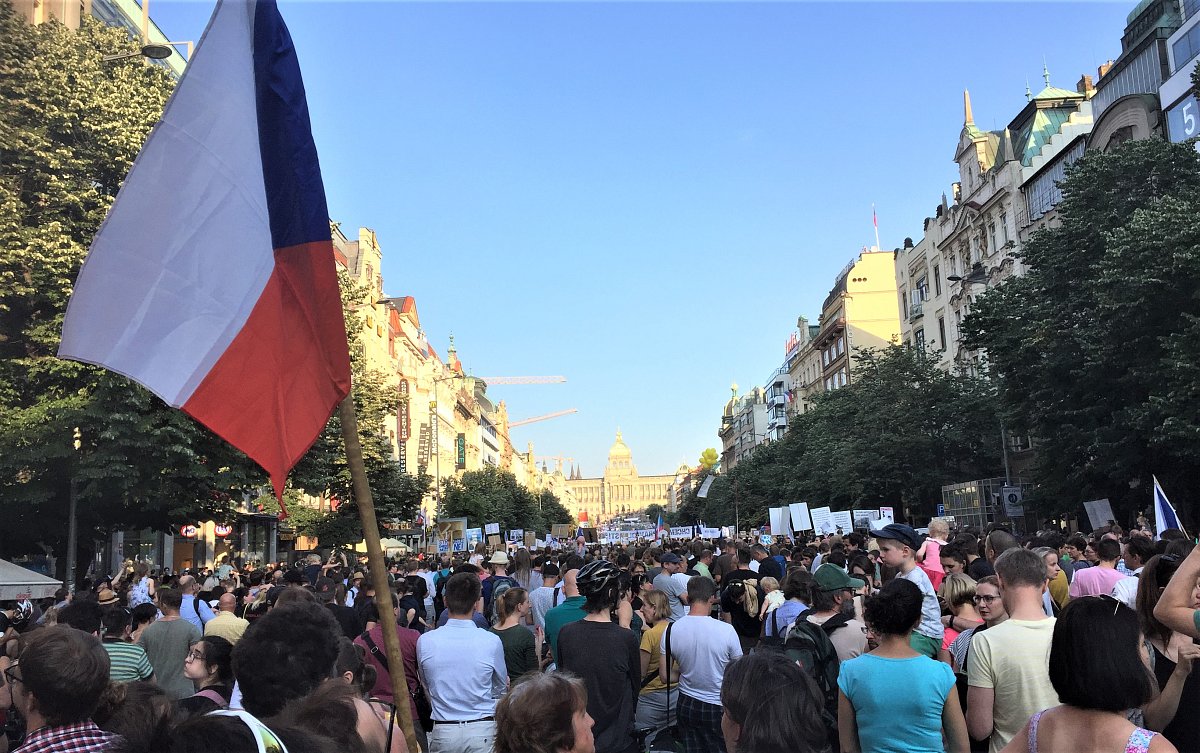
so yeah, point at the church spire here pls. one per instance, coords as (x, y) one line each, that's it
(1046, 73)
(968, 117)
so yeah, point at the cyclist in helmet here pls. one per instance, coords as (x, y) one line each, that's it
(605, 655)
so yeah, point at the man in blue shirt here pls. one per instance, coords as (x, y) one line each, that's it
(464, 674)
(194, 610)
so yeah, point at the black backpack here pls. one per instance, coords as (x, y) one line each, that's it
(808, 645)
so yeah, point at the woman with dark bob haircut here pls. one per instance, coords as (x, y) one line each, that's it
(788, 721)
(1099, 668)
(544, 713)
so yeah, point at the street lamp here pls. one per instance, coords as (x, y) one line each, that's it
(153, 51)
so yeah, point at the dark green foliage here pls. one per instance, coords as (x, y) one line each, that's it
(491, 495)
(1096, 349)
(898, 432)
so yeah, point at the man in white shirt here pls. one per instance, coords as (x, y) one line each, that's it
(463, 671)
(697, 650)
(1008, 668)
(547, 596)
(1137, 552)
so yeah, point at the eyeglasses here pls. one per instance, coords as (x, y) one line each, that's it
(983, 599)
(265, 740)
(194, 656)
(9, 677)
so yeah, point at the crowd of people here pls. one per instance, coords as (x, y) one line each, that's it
(880, 641)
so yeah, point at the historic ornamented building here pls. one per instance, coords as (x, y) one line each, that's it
(620, 491)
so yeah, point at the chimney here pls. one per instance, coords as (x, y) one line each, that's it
(1103, 69)
(1085, 86)
(908, 242)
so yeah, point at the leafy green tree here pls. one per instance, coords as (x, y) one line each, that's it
(895, 435)
(1096, 348)
(491, 495)
(69, 131)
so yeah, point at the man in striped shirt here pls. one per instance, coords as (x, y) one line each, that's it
(127, 661)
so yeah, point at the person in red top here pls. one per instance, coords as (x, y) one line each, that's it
(372, 641)
(56, 683)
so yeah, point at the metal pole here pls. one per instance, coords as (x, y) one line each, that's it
(1004, 452)
(379, 576)
(72, 514)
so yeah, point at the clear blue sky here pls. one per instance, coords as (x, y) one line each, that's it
(643, 197)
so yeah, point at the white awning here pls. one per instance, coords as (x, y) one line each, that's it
(17, 583)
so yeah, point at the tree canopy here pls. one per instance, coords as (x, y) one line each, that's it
(492, 495)
(1095, 350)
(899, 431)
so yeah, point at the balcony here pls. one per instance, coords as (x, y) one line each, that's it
(916, 311)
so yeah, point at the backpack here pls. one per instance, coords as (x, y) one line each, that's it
(500, 584)
(439, 584)
(744, 593)
(808, 645)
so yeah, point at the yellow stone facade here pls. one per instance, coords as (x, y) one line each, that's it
(620, 491)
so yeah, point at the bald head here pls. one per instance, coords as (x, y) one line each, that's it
(187, 584)
(227, 602)
(570, 587)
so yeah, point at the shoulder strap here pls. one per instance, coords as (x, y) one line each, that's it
(1033, 726)
(775, 623)
(674, 708)
(196, 606)
(557, 593)
(379, 655)
(213, 696)
(835, 622)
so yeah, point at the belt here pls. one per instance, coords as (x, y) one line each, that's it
(465, 721)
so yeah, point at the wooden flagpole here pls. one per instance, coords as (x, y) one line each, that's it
(379, 576)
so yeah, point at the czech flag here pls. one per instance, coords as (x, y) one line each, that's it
(212, 281)
(658, 529)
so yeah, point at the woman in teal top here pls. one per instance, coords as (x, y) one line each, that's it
(894, 700)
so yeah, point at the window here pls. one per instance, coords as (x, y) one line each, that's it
(992, 237)
(974, 249)
(942, 332)
(922, 290)
(920, 339)
(841, 345)
(1004, 226)
(904, 302)
(937, 280)
(953, 268)
(1186, 48)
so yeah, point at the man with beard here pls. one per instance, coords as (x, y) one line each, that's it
(833, 608)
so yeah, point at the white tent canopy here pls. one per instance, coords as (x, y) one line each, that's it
(17, 583)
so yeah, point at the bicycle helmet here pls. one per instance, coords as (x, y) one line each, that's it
(596, 576)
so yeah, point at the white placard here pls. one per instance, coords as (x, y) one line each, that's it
(1099, 512)
(710, 533)
(801, 520)
(681, 532)
(843, 520)
(491, 528)
(821, 520)
(863, 518)
(781, 521)
(886, 515)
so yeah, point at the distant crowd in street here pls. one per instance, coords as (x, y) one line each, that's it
(874, 641)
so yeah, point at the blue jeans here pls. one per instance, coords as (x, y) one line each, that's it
(470, 737)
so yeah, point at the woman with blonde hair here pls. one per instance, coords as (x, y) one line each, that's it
(654, 699)
(957, 595)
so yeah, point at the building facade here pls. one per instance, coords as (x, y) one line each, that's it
(122, 14)
(743, 426)
(1181, 110)
(620, 491)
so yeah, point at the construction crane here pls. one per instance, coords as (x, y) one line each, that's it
(523, 380)
(548, 416)
(559, 458)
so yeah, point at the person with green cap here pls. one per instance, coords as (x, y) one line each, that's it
(833, 609)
